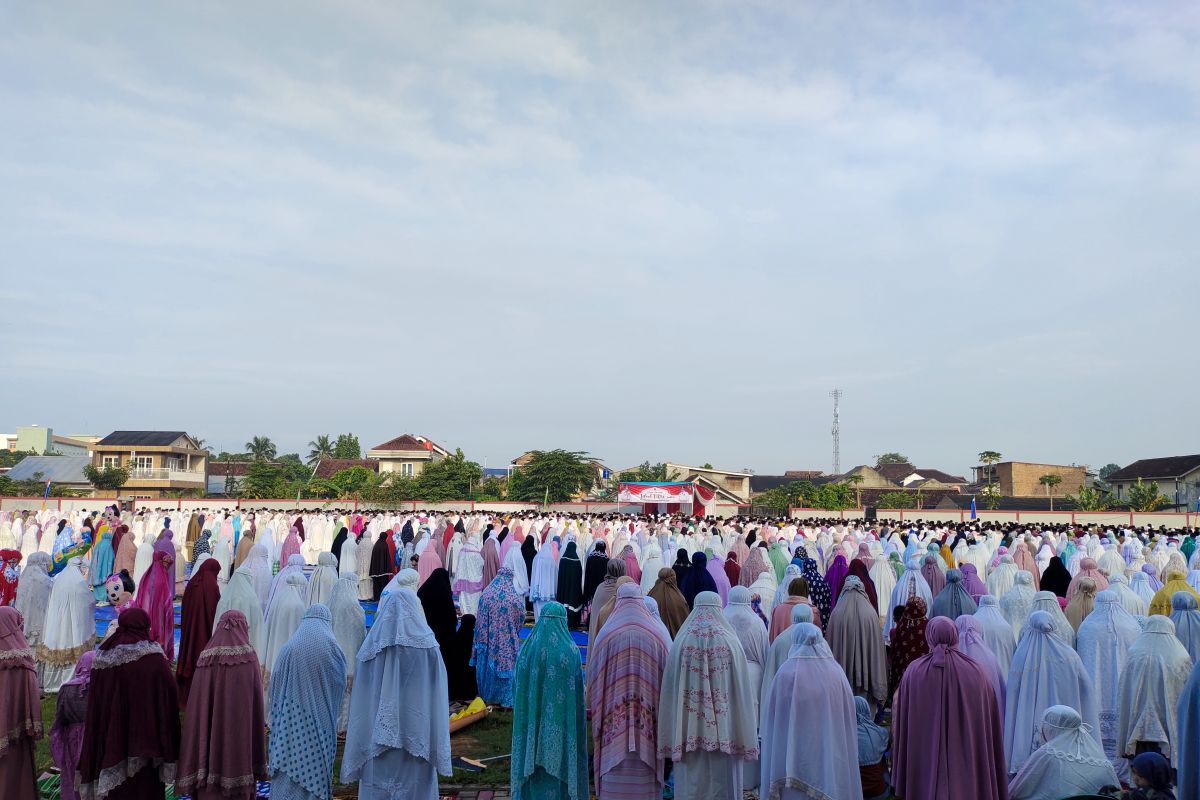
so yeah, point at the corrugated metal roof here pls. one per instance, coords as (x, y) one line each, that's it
(60, 469)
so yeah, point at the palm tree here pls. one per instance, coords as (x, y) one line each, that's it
(261, 448)
(1050, 480)
(320, 448)
(990, 457)
(855, 480)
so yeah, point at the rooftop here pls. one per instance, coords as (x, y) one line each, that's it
(938, 475)
(407, 442)
(142, 438)
(60, 469)
(1168, 467)
(898, 472)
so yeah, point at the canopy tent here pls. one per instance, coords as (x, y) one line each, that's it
(668, 497)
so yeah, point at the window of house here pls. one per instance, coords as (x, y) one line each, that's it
(144, 462)
(406, 470)
(107, 462)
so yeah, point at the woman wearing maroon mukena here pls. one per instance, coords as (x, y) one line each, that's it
(131, 730)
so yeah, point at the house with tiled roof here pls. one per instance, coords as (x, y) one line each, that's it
(905, 474)
(1178, 477)
(406, 454)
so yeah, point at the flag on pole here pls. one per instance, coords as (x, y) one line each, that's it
(48, 485)
(546, 500)
(973, 514)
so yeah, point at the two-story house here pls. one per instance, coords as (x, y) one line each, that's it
(161, 463)
(407, 454)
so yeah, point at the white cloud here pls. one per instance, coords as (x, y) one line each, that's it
(800, 194)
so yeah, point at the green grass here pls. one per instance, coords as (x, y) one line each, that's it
(489, 737)
(43, 759)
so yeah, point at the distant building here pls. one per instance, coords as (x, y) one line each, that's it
(63, 471)
(731, 487)
(406, 454)
(161, 463)
(906, 475)
(1178, 477)
(41, 440)
(224, 477)
(1021, 478)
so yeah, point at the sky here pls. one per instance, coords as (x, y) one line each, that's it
(651, 231)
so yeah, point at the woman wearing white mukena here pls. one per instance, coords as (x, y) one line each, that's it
(70, 626)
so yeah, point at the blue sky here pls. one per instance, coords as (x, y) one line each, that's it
(641, 230)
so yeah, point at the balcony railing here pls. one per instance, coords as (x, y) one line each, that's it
(181, 475)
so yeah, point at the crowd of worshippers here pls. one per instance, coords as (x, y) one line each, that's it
(798, 658)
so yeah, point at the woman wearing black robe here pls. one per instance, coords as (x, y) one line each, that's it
(1056, 578)
(682, 567)
(698, 579)
(438, 602)
(381, 564)
(595, 571)
(569, 591)
(528, 551)
(338, 541)
(459, 672)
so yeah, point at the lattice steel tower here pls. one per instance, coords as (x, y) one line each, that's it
(836, 394)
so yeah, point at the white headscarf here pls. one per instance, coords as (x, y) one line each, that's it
(295, 566)
(240, 595)
(516, 562)
(407, 578)
(1045, 671)
(810, 692)
(1103, 643)
(408, 728)
(1002, 578)
(349, 628)
(1148, 694)
(1017, 602)
(260, 572)
(33, 597)
(751, 632)
(1048, 602)
(998, 635)
(322, 580)
(283, 617)
(1134, 604)
(884, 578)
(70, 626)
(1069, 763)
(701, 702)
(652, 562)
(911, 582)
(544, 584)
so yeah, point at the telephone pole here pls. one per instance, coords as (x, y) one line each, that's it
(836, 394)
